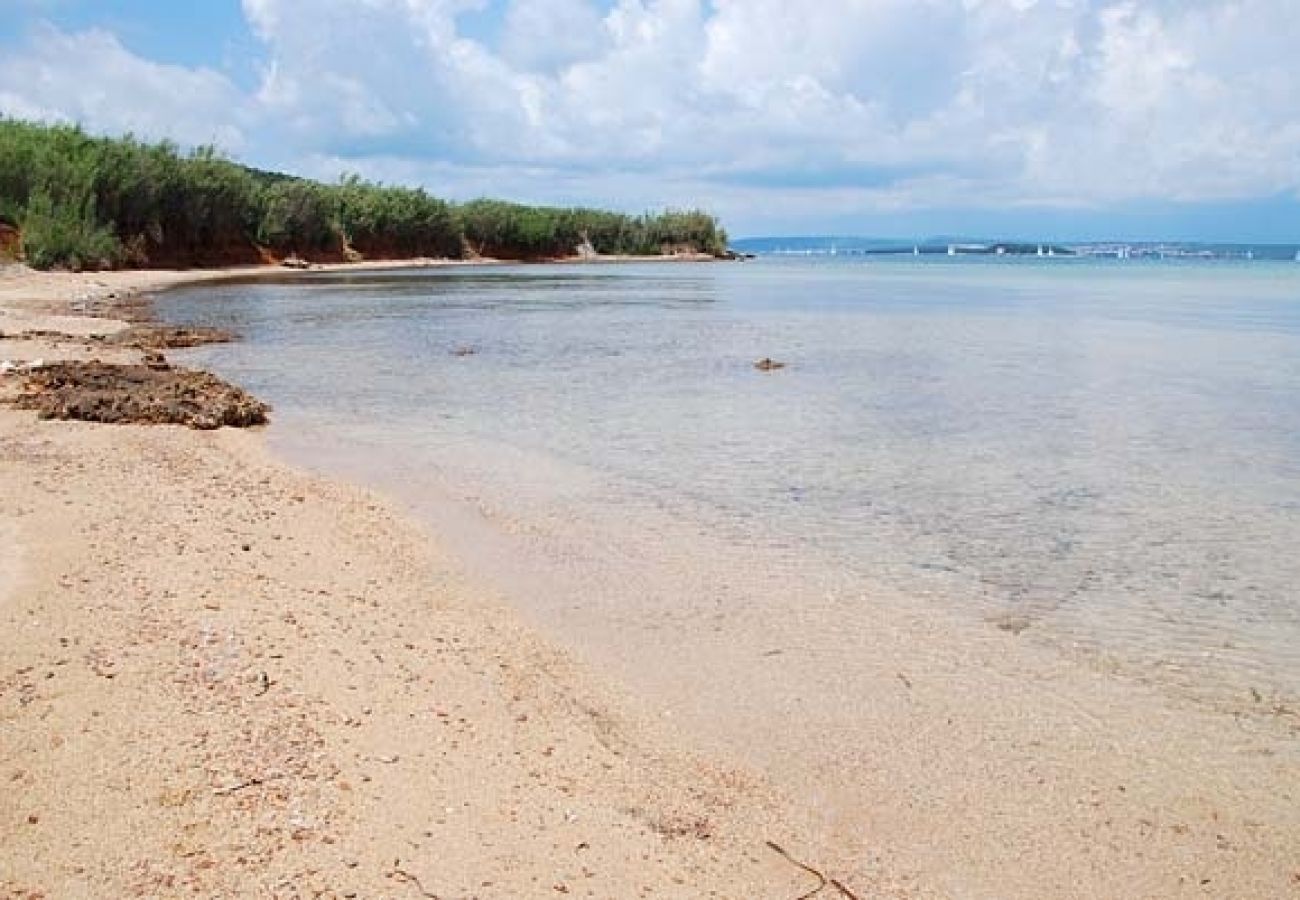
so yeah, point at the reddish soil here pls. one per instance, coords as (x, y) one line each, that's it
(11, 243)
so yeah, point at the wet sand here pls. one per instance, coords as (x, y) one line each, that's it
(221, 675)
(936, 754)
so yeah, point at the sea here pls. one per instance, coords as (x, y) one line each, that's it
(1100, 457)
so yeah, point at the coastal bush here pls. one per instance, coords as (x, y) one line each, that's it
(60, 219)
(83, 201)
(298, 216)
(395, 221)
(497, 228)
(66, 234)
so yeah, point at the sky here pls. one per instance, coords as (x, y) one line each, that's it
(1052, 119)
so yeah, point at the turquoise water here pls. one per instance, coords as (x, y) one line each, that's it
(1103, 457)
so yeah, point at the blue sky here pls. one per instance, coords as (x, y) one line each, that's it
(1056, 119)
(190, 34)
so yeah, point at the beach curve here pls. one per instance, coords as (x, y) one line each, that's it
(222, 675)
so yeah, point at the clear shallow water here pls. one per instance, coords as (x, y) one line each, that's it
(1101, 456)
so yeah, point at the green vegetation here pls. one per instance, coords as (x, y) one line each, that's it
(89, 202)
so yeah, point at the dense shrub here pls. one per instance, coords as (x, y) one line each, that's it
(82, 201)
(496, 228)
(298, 216)
(63, 233)
(374, 219)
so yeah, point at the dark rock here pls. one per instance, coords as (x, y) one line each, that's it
(167, 337)
(100, 392)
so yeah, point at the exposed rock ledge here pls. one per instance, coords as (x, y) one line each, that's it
(163, 337)
(153, 394)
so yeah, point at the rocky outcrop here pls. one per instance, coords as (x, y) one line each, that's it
(167, 337)
(154, 394)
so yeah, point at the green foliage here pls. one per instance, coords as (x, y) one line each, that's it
(65, 233)
(300, 216)
(395, 221)
(82, 201)
(497, 228)
(60, 220)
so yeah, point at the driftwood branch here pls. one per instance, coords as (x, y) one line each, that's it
(839, 886)
(248, 783)
(414, 880)
(822, 880)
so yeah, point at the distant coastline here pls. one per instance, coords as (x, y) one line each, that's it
(831, 245)
(73, 201)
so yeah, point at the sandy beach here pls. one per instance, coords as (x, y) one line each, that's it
(224, 678)
(220, 676)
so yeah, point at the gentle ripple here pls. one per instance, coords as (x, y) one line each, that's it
(1106, 455)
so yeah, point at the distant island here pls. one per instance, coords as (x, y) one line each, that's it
(826, 245)
(76, 201)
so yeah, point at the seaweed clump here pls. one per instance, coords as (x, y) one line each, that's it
(152, 394)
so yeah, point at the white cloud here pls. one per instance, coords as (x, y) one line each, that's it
(887, 104)
(91, 78)
(548, 35)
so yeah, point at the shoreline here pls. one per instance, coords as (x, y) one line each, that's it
(223, 675)
(195, 548)
(110, 294)
(969, 759)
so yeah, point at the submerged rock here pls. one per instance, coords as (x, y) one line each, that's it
(167, 337)
(144, 394)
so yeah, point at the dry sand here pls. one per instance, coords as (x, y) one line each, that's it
(222, 677)
(219, 677)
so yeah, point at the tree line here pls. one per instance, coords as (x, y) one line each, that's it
(79, 201)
